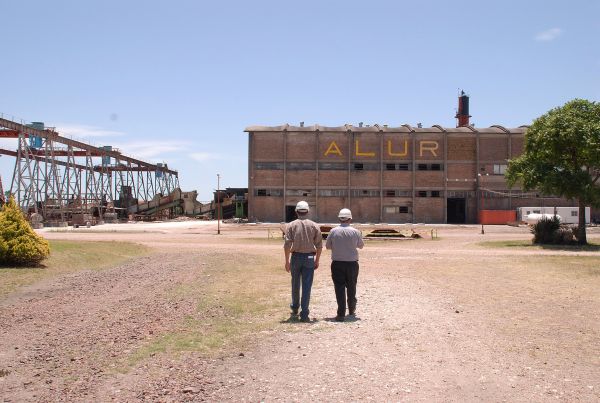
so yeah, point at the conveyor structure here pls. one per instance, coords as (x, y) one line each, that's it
(58, 177)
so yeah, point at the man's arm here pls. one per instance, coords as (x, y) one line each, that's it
(359, 243)
(287, 246)
(317, 257)
(287, 260)
(318, 242)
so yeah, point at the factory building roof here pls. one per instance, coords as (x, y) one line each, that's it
(387, 129)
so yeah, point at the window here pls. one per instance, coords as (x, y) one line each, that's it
(332, 192)
(301, 166)
(298, 192)
(365, 193)
(435, 193)
(395, 209)
(396, 167)
(361, 166)
(500, 169)
(333, 166)
(574, 213)
(422, 193)
(403, 193)
(390, 193)
(268, 192)
(430, 167)
(268, 165)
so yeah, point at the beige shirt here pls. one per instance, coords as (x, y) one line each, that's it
(303, 236)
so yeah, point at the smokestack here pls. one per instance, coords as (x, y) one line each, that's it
(463, 110)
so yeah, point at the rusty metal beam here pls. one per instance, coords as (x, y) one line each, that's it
(99, 168)
(9, 134)
(54, 136)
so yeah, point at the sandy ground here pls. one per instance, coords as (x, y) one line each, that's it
(444, 320)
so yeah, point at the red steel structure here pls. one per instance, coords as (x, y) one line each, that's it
(57, 176)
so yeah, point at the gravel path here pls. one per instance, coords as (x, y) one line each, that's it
(423, 332)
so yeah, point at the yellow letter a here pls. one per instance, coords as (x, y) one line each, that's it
(333, 149)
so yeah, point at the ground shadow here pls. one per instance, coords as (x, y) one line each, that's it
(293, 319)
(23, 266)
(349, 318)
(589, 247)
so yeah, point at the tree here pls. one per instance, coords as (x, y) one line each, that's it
(562, 156)
(19, 244)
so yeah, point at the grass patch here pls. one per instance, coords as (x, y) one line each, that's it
(590, 247)
(507, 244)
(238, 296)
(69, 256)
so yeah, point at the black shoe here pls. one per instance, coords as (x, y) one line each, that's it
(351, 311)
(305, 319)
(339, 318)
(294, 311)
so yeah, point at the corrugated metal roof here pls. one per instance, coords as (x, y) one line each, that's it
(386, 129)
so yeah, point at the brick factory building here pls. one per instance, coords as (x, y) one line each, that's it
(385, 174)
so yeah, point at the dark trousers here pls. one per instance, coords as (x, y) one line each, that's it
(344, 275)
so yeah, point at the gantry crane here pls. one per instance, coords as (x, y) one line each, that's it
(57, 176)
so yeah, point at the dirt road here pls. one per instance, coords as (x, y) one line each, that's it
(446, 320)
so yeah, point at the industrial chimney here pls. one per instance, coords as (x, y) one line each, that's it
(463, 110)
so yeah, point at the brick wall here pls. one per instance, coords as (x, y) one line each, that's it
(338, 150)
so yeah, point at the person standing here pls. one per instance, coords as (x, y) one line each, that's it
(344, 242)
(304, 242)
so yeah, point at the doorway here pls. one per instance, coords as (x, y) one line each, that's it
(456, 210)
(290, 213)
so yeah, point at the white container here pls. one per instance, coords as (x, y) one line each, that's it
(569, 215)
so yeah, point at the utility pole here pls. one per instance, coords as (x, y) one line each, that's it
(218, 205)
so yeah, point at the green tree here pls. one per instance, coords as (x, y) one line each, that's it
(562, 156)
(19, 244)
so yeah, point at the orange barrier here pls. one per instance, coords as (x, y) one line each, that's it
(501, 217)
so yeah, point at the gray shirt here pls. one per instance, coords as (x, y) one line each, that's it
(343, 242)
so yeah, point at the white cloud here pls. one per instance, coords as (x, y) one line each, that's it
(150, 149)
(204, 156)
(76, 130)
(10, 144)
(548, 35)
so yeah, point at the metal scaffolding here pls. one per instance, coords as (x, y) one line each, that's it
(58, 177)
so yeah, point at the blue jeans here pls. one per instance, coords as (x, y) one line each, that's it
(303, 270)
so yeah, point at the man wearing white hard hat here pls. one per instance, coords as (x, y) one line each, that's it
(344, 242)
(304, 242)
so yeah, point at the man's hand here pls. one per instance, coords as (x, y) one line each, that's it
(316, 264)
(287, 266)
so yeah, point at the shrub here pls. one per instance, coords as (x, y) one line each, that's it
(551, 231)
(19, 244)
(564, 236)
(543, 231)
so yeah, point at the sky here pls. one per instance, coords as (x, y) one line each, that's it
(179, 81)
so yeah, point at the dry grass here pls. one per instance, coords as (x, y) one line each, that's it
(67, 257)
(239, 295)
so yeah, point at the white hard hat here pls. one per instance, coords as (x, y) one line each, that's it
(345, 214)
(302, 206)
